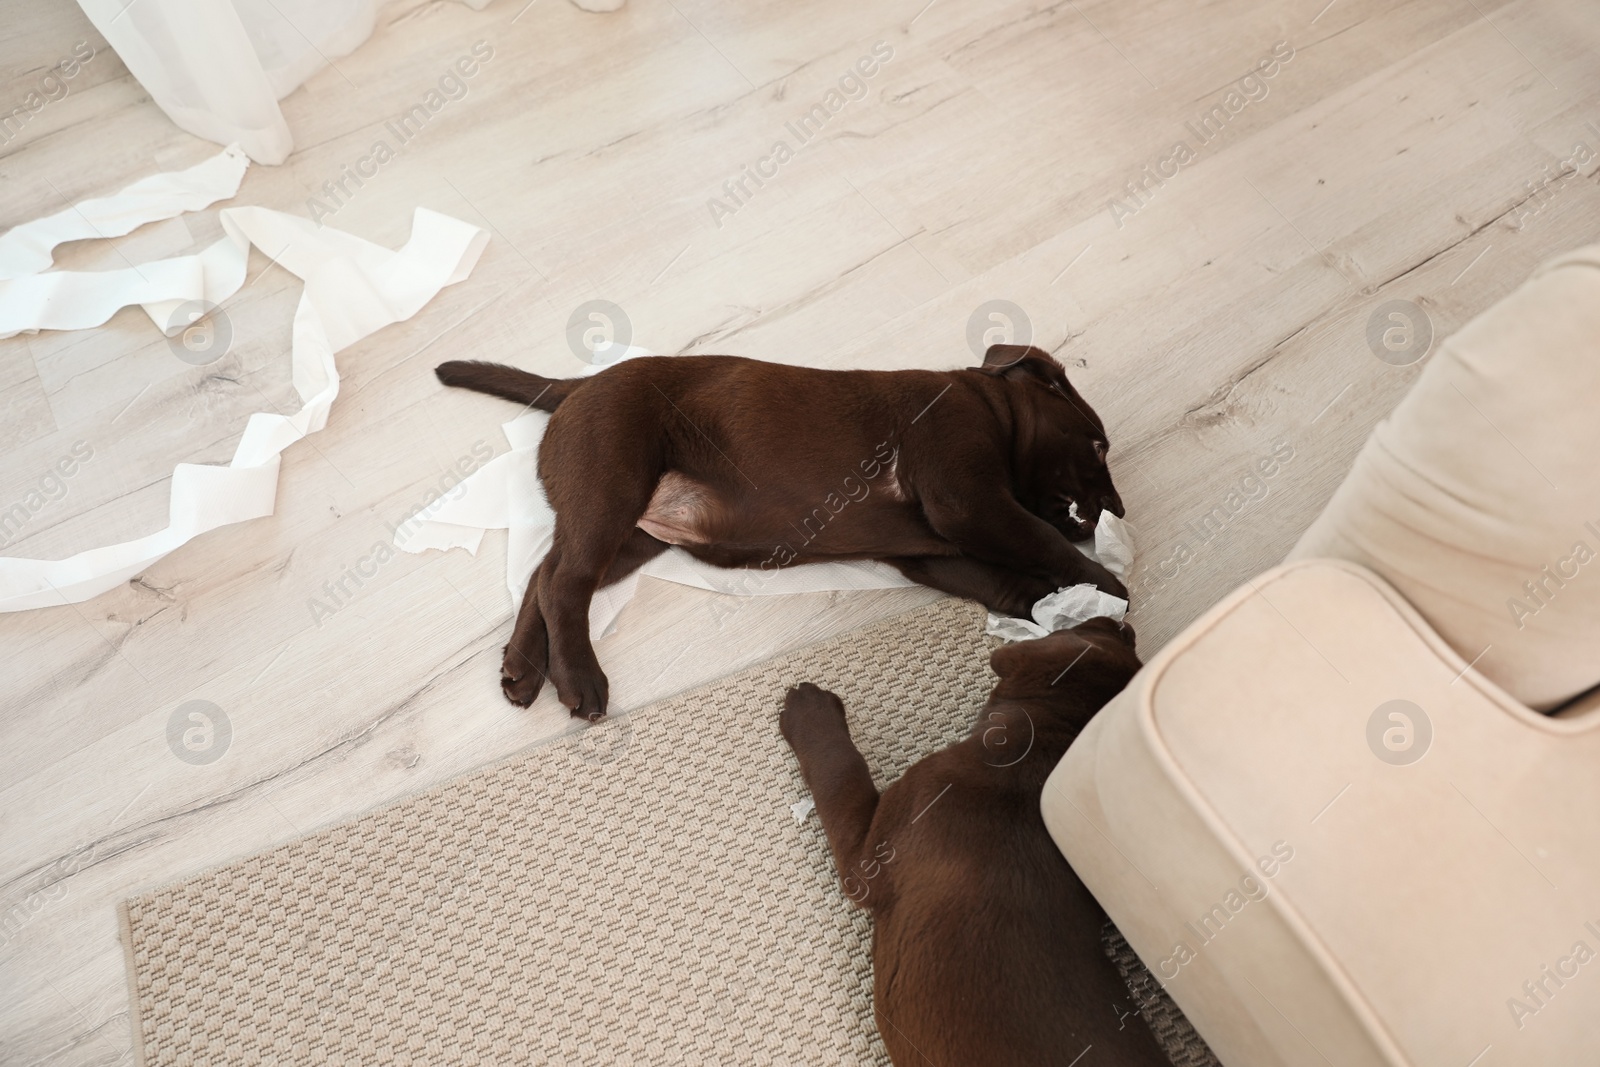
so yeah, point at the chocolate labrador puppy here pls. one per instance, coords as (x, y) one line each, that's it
(986, 947)
(972, 481)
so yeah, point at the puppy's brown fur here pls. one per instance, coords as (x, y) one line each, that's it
(986, 946)
(964, 480)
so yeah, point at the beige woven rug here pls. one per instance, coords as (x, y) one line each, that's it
(639, 894)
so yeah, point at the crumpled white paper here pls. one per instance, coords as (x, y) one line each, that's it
(505, 494)
(353, 288)
(1066, 607)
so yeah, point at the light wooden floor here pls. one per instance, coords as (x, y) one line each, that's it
(1402, 153)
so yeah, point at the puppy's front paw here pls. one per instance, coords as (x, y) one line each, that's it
(806, 705)
(1102, 579)
(1017, 596)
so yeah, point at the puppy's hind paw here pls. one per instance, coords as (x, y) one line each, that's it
(585, 695)
(522, 691)
(521, 677)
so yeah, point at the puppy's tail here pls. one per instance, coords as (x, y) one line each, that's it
(508, 383)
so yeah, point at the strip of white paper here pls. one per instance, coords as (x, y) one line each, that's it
(505, 494)
(29, 248)
(353, 288)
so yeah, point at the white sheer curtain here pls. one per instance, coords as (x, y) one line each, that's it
(219, 67)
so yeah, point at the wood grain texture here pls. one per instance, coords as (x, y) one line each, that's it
(1404, 152)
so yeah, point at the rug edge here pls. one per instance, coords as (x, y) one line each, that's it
(135, 1019)
(124, 906)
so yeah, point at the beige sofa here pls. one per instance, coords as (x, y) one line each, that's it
(1335, 816)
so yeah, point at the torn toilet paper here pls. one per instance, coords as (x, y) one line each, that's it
(353, 288)
(1113, 547)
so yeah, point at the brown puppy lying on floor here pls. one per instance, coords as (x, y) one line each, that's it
(970, 481)
(986, 947)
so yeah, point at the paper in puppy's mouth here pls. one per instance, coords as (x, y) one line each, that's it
(1085, 527)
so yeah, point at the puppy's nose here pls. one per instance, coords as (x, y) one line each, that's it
(1113, 504)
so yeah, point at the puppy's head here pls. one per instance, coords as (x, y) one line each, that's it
(1093, 659)
(1062, 474)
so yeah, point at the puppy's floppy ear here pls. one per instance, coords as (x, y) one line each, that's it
(1001, 357)
(1025, 361)
(1005, 660)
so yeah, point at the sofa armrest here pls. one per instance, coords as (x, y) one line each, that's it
(1313, 888)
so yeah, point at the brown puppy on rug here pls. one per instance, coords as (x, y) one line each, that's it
(986, 947)
(973, 481)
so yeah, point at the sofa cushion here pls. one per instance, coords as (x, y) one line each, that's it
(1479, 497)
(1318, 882)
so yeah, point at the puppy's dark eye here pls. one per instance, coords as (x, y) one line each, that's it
(1100, 450)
